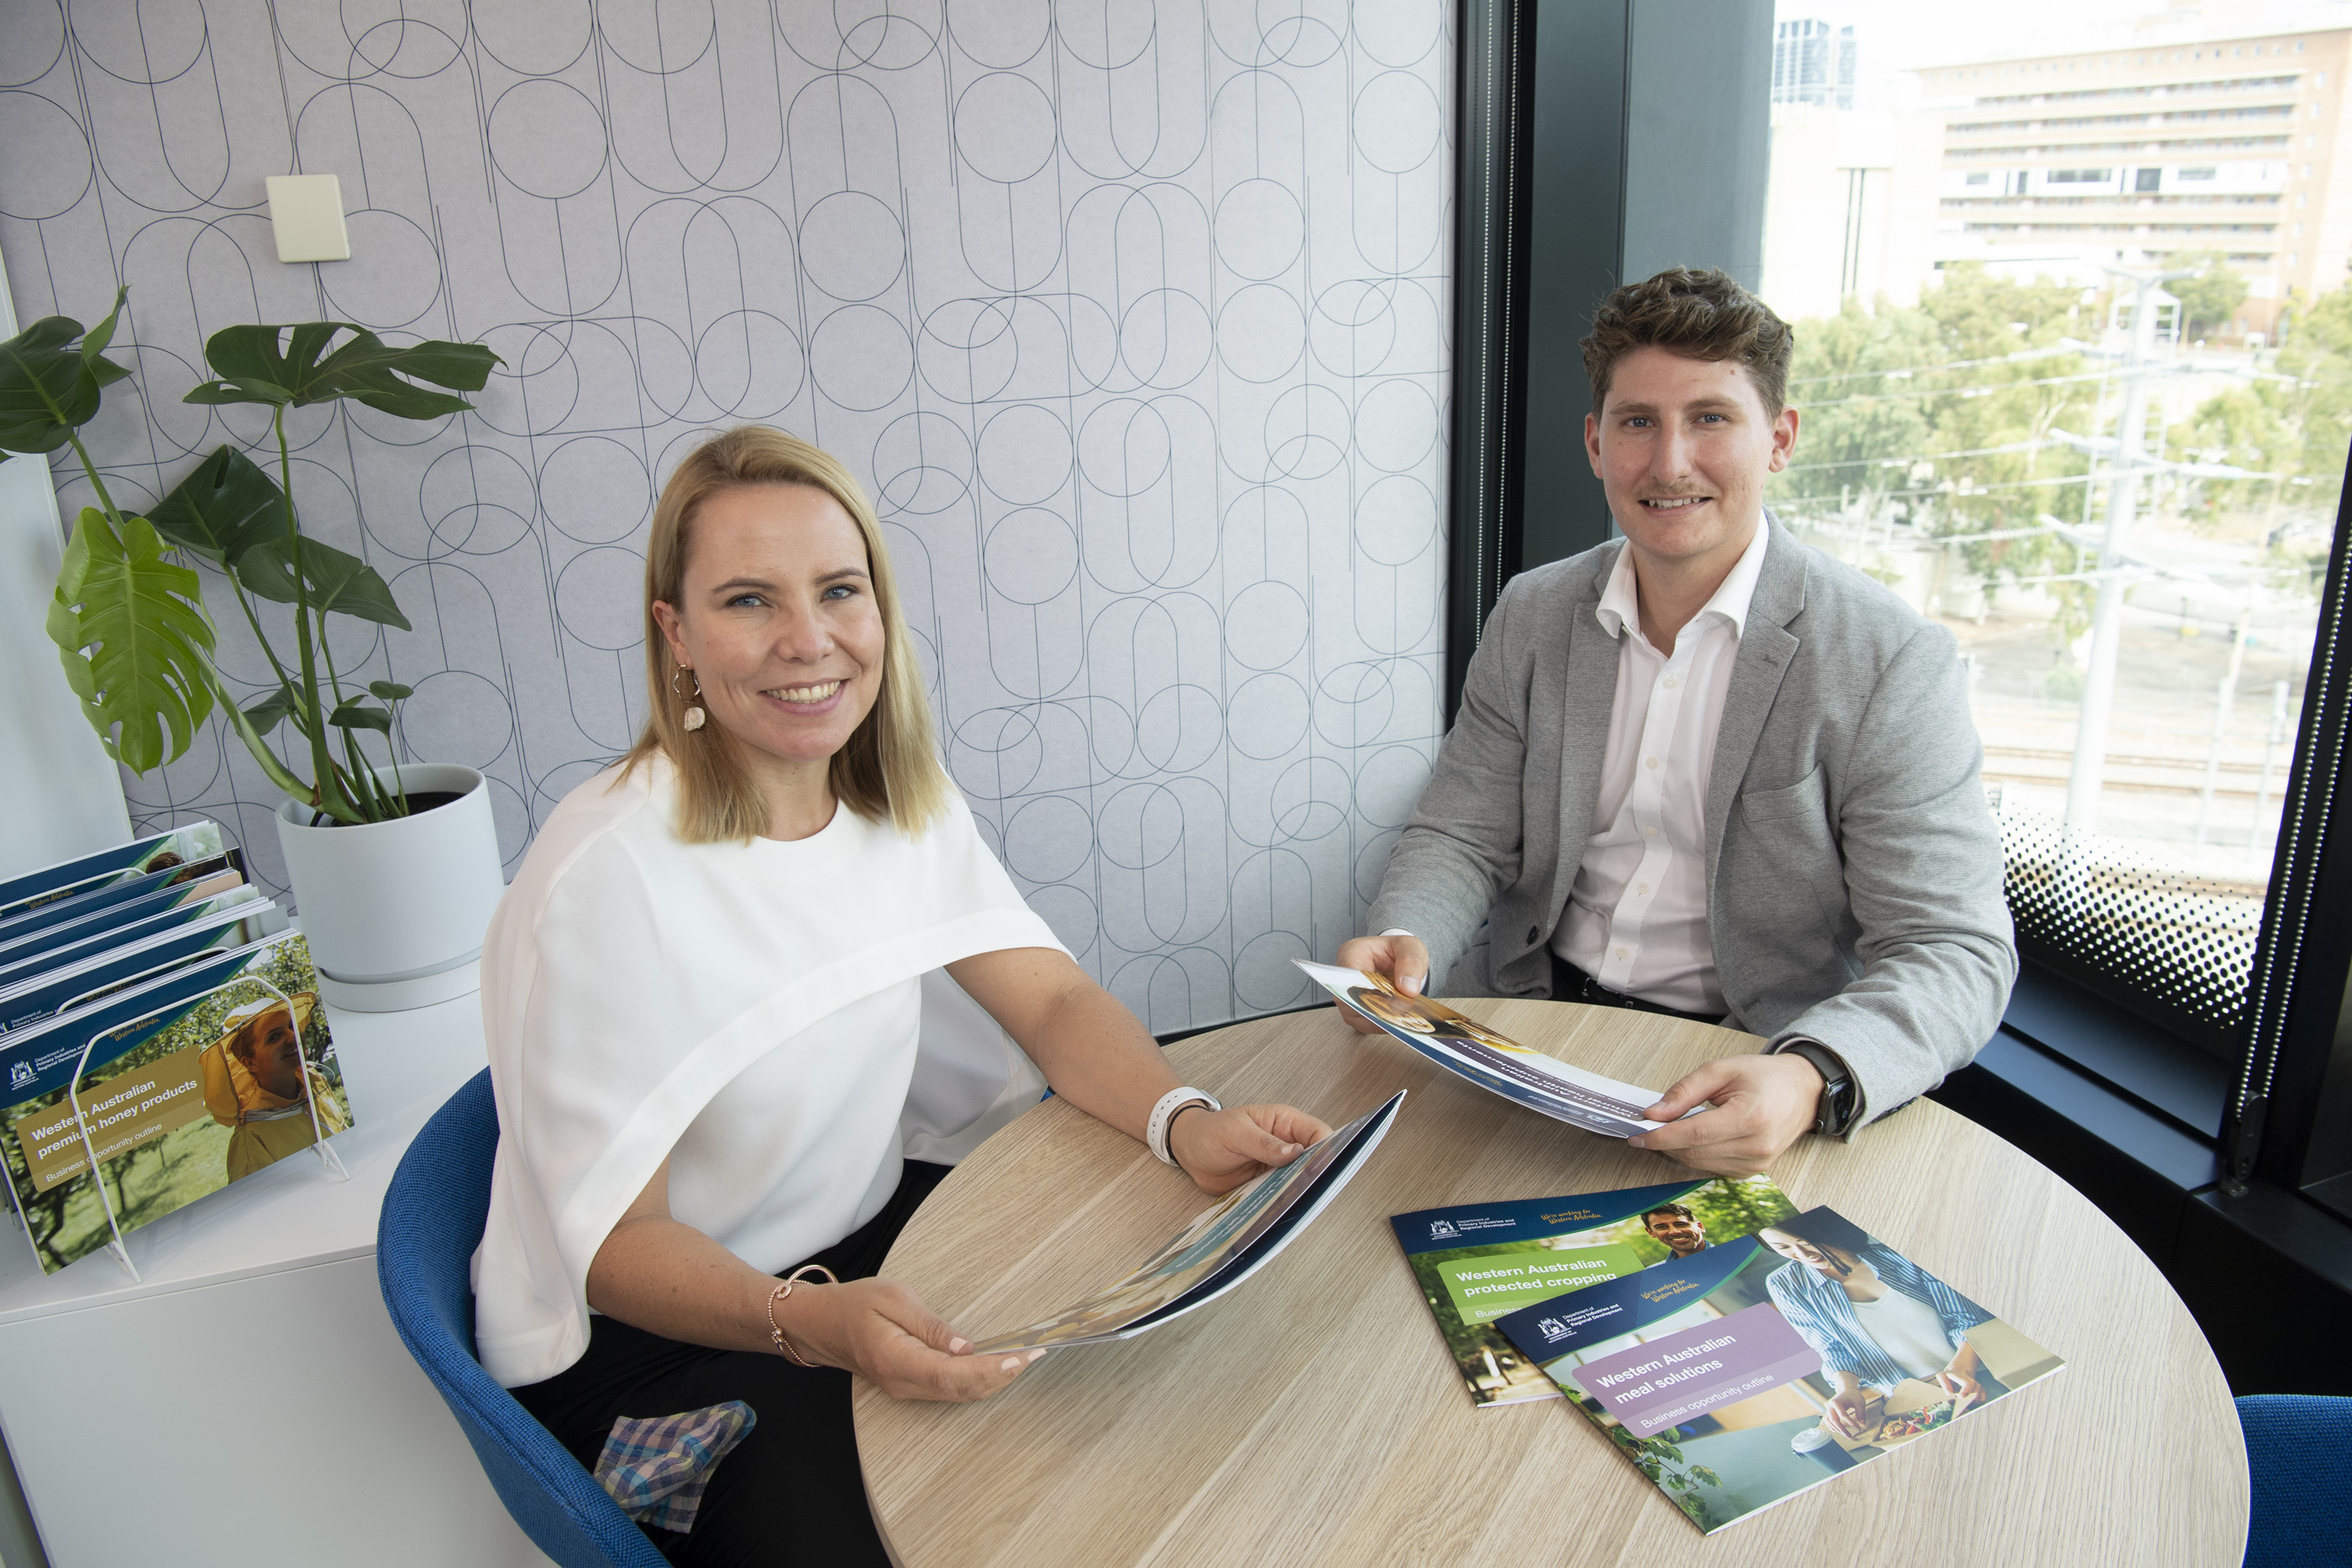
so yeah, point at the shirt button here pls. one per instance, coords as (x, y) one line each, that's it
(1643, 888)
(1649, 833)
(1621, 952)
(1649, 762)
(1670, 682)
(1533, 932)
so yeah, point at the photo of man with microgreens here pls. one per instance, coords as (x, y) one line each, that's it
(1478, 1262)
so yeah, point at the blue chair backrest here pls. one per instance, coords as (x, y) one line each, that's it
(432, 1222)
(2299, 1457)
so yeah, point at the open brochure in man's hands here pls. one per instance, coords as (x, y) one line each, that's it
(1469, 1048)
(1223, 1245)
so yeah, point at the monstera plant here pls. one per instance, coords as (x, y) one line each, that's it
(138, 642)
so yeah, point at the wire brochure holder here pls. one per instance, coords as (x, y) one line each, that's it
(328, 1158)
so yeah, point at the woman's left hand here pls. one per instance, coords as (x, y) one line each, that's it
(1220, 1150)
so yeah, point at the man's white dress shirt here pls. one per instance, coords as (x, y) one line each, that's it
(1636, 917)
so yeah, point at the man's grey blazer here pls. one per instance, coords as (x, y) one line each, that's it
(1853, 869)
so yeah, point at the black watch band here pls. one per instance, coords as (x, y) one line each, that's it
(1838, 1097)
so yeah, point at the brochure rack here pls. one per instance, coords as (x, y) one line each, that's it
(332, 1162)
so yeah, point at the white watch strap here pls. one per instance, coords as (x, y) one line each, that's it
(1155, 1132)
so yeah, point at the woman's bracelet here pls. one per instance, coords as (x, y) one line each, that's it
(784, 1346)
(1155, 1130)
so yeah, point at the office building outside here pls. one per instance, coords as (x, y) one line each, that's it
(1812, 62)
(2065, 164)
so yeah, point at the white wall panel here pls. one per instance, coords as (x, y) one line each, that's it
(1131, 315)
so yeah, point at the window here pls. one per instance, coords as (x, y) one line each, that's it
(2137, 649)
(2158, 652)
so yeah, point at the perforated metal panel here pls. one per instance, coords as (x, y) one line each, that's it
(2183, 943)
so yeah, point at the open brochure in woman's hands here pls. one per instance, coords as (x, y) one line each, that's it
(1223, 1245)
(1469, 1048)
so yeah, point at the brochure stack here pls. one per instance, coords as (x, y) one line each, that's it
(1736, 1349)
(159, 1038)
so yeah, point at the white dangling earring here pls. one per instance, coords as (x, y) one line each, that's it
(694, 715)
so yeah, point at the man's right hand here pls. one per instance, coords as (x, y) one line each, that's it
(1402, 959)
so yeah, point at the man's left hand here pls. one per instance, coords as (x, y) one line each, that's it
(1762, 1105)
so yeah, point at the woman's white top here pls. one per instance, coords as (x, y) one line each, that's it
(768, 1017)
(1908, 1330)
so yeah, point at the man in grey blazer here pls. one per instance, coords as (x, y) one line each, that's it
(1707, 770)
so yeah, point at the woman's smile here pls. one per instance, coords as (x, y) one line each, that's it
(810, 700)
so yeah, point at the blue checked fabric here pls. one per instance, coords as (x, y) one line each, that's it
(656, 1466)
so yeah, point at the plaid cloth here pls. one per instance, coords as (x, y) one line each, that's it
(656, 1466)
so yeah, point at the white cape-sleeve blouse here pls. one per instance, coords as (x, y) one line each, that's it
(766, 1016)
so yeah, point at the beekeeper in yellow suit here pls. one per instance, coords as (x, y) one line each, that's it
(254, 1080)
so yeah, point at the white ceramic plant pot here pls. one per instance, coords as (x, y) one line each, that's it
(394, 912)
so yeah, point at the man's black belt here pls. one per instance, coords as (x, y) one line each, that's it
(1571, 984)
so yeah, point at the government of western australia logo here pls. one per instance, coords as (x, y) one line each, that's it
(1552, 1328)
(1439, 1230)
(19, 1074)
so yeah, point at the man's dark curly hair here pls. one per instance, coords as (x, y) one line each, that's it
(1698, 313)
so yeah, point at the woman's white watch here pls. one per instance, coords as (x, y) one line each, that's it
(1155, 1132)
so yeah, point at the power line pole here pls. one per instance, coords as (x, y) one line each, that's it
(2123, 504)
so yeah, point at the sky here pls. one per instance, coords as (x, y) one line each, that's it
(1908, 35)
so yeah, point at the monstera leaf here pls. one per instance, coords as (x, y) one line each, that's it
(134, 638)
(232, 513)
(223, 510)
(339, 583)
(290, 367)
(48, 388)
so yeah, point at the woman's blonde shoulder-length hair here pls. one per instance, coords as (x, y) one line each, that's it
(889, 768)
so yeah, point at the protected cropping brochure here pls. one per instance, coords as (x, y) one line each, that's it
(1766, 1366)
(1479, 1261)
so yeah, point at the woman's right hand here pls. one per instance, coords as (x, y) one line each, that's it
(880, 1331)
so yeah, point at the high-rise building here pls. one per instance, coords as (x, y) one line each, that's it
(2066, 163)
(1812, 62)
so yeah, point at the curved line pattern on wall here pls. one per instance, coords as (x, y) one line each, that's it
(1131, 314)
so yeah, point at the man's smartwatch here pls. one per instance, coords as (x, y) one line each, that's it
(1838, 1095)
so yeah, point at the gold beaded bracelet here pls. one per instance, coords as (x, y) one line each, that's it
(784, 1346)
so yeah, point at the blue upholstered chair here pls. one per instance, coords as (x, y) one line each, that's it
(432, 1222)
(2299, 1453)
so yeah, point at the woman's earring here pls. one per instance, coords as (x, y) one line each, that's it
(694, 713)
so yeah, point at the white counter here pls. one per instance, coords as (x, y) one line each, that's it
(245, 1401)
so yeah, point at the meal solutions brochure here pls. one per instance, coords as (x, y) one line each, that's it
(1764, 1367)
(1477, 1263)
(1223, 1245)
(1468, 1048)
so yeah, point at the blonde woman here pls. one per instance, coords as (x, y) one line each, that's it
(733, 989)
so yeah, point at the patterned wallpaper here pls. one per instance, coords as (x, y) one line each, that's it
(1131, 314)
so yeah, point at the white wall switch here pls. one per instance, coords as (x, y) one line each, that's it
(307, 212)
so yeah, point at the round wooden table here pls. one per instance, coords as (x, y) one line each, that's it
(1313, 1414)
